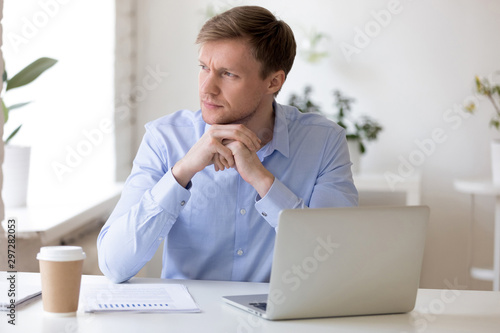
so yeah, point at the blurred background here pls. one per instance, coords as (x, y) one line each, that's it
(410, 65)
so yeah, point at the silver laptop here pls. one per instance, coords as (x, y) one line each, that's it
(343, 262)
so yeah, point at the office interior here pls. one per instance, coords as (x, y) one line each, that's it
(411, 65)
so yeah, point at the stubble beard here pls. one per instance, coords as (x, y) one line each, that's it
(242, 120)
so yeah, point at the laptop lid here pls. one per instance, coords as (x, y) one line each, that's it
(346, 261)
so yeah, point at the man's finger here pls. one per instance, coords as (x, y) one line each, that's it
(225, 157)
(236, 133)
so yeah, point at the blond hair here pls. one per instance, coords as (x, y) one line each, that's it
(271, 40)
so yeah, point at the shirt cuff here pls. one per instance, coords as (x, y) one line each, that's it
(278, 197)
(170, 195)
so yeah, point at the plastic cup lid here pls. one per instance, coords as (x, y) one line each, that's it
(61, 253)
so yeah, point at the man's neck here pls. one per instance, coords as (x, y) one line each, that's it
(262, 124)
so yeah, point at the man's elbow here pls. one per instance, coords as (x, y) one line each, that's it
(107, 265)
(113, 274)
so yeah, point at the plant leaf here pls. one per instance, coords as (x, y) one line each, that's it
(17, 106)
(5, 112)
(362, 148)
(495, 123)
(13, 134)
(30, 72)
(497, 90)
(4, 75)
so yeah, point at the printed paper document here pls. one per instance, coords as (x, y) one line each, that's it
(138, 298)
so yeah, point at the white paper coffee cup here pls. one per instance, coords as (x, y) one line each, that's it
(61, 272)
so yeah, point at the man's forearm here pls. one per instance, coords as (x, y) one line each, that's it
(182, 174)
(128, 242)
(138, 225)
(263, 182)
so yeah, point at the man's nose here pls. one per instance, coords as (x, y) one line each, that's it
(208, 84)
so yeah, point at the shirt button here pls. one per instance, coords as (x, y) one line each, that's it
(264, 214)
(183, 203)
(239, 252)
(243, 211)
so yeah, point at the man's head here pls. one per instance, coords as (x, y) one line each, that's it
(271, 40)
(245, 56)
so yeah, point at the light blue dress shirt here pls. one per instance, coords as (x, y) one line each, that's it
(219, 228)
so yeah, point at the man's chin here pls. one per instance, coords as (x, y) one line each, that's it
(214, 120)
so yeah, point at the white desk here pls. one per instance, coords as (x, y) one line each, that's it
(435, 311)
(485, 187)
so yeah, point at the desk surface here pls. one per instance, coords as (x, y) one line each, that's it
(436, 311)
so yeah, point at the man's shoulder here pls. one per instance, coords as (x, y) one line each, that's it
(309, 119)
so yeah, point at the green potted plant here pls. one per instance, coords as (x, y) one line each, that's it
(311, 49)
(16, 159)
(491, 91)
(358, 131)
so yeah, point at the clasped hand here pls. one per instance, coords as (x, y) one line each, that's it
(226, 146)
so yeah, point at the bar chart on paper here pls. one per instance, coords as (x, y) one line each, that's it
(138, 298)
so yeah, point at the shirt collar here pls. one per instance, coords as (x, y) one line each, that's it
(280, 141)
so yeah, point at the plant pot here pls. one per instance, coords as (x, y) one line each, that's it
(495, 161)
(16, 168)
(355, 155)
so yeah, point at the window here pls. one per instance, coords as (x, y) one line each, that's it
(69, 123)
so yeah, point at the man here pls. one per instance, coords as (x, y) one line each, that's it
(212, 183)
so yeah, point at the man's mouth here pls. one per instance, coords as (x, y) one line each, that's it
(211, 105)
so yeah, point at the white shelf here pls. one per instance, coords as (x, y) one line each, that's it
(483, 274)
(477, 186)
(51, 222)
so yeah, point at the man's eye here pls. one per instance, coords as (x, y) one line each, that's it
(203, 67)
(229, 74)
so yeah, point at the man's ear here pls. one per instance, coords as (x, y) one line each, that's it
(276, 81)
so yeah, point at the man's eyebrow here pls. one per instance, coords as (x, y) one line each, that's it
(222, 69)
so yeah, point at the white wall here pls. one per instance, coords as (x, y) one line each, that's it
(413, 76)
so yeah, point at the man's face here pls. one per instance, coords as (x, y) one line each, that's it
(230, 87)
